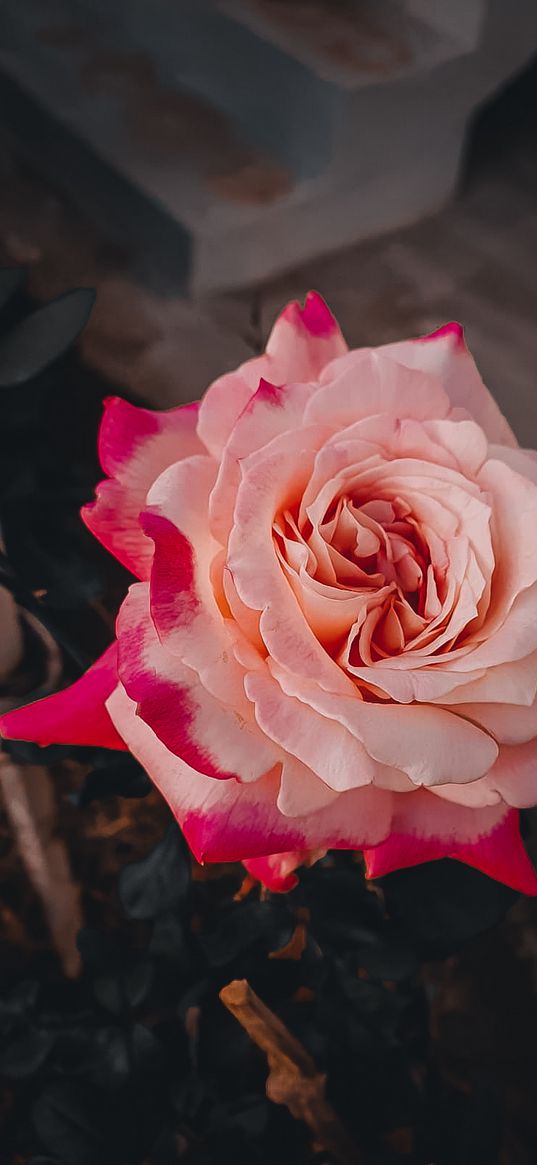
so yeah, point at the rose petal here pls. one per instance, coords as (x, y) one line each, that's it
(228, 821)
(183, 605)
(508, 723)
(301, 791)
(445, 354)
(323, 745)
(426, 828)
(510, 683)
(302, 342)
(514, 775)
(367, 383)
(523, 461)
(271, 410)
(214, 738)
(76, 715)
(135, 445)
(514, 507)
(431, 745)
(276, 871)
(271, 479)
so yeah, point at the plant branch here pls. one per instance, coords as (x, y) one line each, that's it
(293, 1078)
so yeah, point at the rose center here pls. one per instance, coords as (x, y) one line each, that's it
(373, 554)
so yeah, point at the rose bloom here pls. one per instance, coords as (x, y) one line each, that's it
(333, 642)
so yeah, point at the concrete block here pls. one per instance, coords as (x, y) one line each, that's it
(265, 132)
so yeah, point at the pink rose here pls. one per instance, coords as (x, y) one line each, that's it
(334, 639)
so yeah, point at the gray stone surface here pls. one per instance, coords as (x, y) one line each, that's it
(264, 132)
(474, 261)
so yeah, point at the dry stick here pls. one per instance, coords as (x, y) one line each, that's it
(293, 1079)
(29, 800)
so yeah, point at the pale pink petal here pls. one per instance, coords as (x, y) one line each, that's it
(215, 738)
(507, 723)
(245, 618)
(271, 410)
(514, 775)
(431, 745)
(325, 746)
(76, 715)
(229, 821)
(514, 506)
(301, 791)
(502, 669)
(509, 683)
(135, 445)
(513, 634)
(523, 461)
(475, 795)
(444, 353)
(302, 342)
(272, 479)
(464, 440)
(434, 684)
(367, 383)
(426, 828)
(305, 339)
(183, 605)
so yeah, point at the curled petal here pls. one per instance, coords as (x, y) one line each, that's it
(426, 828)
(507, 723)
(219, 739)
(187, 616)
(271, 410)
(276, 871)
(514, 776)
(302, 342)
(135, 445)
(271, 478)
(431, 745)
(229, 821)
(367, 383)
(76, 715)
(325, 746)
(445, 354)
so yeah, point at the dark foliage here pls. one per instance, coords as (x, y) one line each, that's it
(139, 1061)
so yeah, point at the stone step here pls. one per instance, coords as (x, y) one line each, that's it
(388, 141)
(286, 71)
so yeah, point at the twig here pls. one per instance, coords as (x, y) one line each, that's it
(293, 1079)
(28, 797)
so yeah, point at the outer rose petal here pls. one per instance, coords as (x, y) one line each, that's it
(76, 715)
(302, 342)
(514, 776)
(325, 746)
(271, 410)
(507, 723)
(135, 446)
(430, 744)
(444, 352)
(183, 605)
(215, 738)
(366, 383)
(523, 461)
(305, 339)
(227, 821)
(276, 870)
(425, 828)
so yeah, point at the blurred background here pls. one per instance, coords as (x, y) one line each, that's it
(199, 164)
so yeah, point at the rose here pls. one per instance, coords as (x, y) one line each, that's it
(334, 642)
